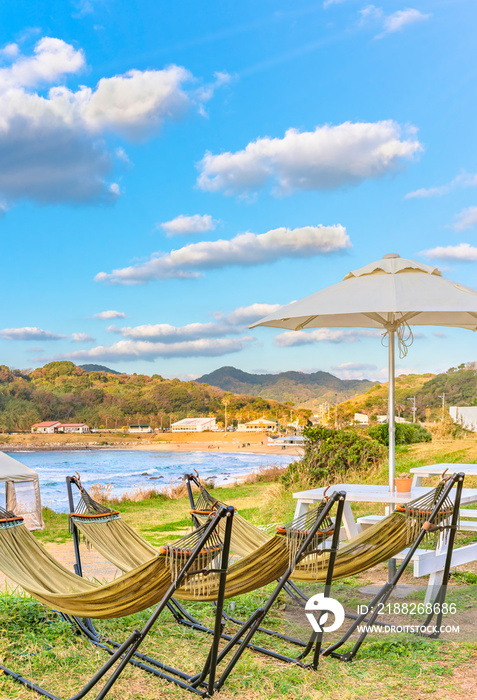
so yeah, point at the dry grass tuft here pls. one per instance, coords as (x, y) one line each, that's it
(101, 492)
(271, 474)
(175, 491)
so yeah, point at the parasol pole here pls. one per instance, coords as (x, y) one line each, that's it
(391, 411)
(392, 433)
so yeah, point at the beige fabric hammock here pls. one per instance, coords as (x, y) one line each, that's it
(374, 545)
(24, 560)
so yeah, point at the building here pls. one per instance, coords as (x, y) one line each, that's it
(140, 428)
(54, 426)
(259, 425)
(47, 426)
(296, 440)
(361, 418)
(194, 425)
(384, 419)
(466, 416)
(73, 428)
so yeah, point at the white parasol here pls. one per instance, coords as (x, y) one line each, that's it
(391, 294)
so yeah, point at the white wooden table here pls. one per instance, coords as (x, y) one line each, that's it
(425, 562)
(436, 470)
(367, 493)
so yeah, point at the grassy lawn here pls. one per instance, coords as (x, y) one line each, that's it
(38, 644)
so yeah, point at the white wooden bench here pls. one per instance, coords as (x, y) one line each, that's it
(464, 525)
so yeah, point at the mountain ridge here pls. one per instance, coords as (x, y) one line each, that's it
(307, 390)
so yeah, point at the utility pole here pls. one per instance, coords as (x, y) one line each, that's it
(226, 403)
(413, 408)
(443, 397)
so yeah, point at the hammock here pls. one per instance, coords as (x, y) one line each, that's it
(121, 545)
(27, 562)
(374, 545)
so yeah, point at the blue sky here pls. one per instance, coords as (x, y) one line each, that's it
(169, 172)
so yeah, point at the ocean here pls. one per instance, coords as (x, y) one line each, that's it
(129, 468)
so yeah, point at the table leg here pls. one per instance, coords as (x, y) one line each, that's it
(301, 509)
(435, 581)
(417, 480)
(350, 526)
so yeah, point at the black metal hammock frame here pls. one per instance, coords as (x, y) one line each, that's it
(305, 542)
(202, 683)
(434, 513)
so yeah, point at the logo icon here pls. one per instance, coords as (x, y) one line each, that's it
(319, 603)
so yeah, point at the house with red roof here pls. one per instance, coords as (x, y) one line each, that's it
(47, 426)
(54, 426)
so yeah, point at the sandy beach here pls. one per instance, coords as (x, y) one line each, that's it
(252, 443)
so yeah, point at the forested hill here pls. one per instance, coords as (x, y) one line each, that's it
(305, 390)
(458, 385)
(64, 392)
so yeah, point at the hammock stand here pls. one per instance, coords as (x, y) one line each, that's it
(203, 683)
(249, 627)
(292, 590)
(432, 513)
(381, 598)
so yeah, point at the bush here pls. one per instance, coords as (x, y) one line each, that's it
(330, 454)
(406, 433)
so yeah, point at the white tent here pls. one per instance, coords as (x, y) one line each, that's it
(22, 491)
(390, 295)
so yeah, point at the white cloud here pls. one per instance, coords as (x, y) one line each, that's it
(198, 223)
(327, 3)
(52, 146)
(322, 335)
(29, 333)
(82, 338)
(52, 59)
(184, 376)
(403, 18)
(243, 249)
(326, 158)
(126, 350)
(453, 253)
(245, 315)
(354, 366)
(206, 92)
(357, 370)
(109, 315)
(10, 51)
(371, 14)
(467, 218)
(166, 333)
(438, 334)
(134, 104)
(463, 180)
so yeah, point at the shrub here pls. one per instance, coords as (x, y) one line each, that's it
(406, 433)
(330, 454)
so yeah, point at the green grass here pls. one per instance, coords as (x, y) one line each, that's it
(38, 644)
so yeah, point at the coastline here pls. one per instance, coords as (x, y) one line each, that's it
(247, 443)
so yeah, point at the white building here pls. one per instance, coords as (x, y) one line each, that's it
(194, 425)
(47, 426)
(361, 418)
(466, 416)
(397, 419)
(73, 428)
(140, 428)
(259, 425)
